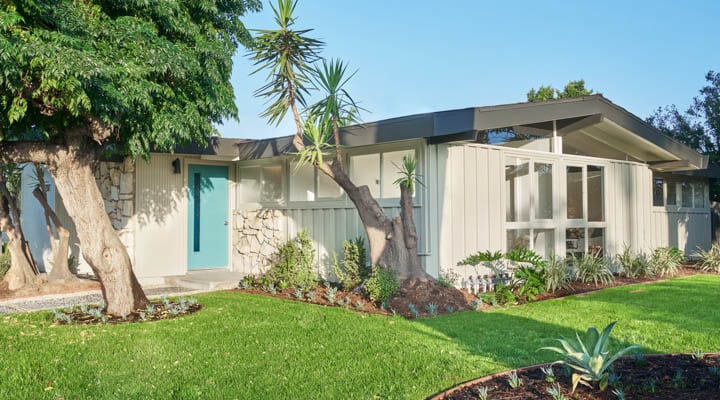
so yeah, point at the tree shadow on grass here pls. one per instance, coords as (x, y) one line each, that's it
(510, 341)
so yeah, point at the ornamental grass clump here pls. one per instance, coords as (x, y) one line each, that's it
(634, 265)
(665, 261)
(557, 275)
(590, 359)
(709, 260)
(592, 268)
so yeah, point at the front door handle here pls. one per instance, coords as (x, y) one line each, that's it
(225, 223)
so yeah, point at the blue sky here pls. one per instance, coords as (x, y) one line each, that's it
(420, 56)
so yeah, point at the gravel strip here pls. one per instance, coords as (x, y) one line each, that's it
(48, 302)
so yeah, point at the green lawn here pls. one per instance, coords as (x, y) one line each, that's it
(245, 346)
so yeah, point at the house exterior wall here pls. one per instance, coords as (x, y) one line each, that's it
(470, 210)
(161, 215)
(328, 221)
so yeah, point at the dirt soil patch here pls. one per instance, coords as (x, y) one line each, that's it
(154, 312)
(664, 376)
(82, 285)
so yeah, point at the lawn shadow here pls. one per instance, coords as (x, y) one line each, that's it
(510, 341)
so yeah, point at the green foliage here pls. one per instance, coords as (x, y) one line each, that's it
(448, 278)
(354, 269)
(432, 308)
(633, 265)
(503, 295)
(530, 282)
(571, 90)
(408, 173)
(337, 108)
(5, 261)
(513, 380)
(482, 256)
(557, 274)
(156, 73)
(591, 358)
(382, 284)
(666, 261)
(523, 255)
(709, 260)
(555, 392)
(591, 268)
(294, 263)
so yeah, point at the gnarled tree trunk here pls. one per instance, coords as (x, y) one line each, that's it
(100, 243)
(71, 166)
(59, 242)
(21, 273)
(392, 241)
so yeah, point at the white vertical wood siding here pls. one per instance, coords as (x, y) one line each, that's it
(468, 210)
(161, 212)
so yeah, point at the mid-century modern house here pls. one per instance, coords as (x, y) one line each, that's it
(565, 176)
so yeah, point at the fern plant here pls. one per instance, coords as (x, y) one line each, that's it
(591, 358)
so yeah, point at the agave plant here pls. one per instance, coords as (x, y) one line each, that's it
(590, 359)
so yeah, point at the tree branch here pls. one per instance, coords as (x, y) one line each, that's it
(35, 152)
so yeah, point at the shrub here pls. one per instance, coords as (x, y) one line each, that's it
(294, 263)
(591, 358)
(523, 255)
(709, 260)
(530, 281)
(666, 261)
(592, 268)
(448, 278)
(504, 294)
(557, 274)
(5, 261)
(382, 283)
(354, 269)
(633, 265)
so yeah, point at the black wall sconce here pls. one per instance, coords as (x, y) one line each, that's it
(176, 166)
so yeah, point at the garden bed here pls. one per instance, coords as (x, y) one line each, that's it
(661, 376)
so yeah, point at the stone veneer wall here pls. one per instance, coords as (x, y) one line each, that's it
(257, 234)
(116, 181)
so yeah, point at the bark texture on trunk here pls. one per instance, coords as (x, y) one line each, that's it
(392, 241)
(21, 273)
(101, 245)
(71, 166)
(59, 236)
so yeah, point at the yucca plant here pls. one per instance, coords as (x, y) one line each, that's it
(592, 268)
(709, 260)
(666, 261)
(590, 359)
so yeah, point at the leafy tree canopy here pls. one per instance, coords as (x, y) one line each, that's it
(699, 126)
(146, 73)
(572, 89)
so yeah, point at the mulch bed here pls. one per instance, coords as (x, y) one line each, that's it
(662, 376)
(162, 310)
(422, 293)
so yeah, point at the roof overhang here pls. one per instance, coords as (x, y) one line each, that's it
(591, 123)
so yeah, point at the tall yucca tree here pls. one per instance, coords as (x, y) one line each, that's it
(294, 67)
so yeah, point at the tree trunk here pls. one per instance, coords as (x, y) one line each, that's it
(60, 244)
(101, 245)
(392, 242)
(21, 272)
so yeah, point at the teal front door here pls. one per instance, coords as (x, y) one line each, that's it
(207, 216)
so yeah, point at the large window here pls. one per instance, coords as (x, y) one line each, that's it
(595, 191)
(529, 205)
(574, 192)
(309, 184)
(379, 171)
(261, 184)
